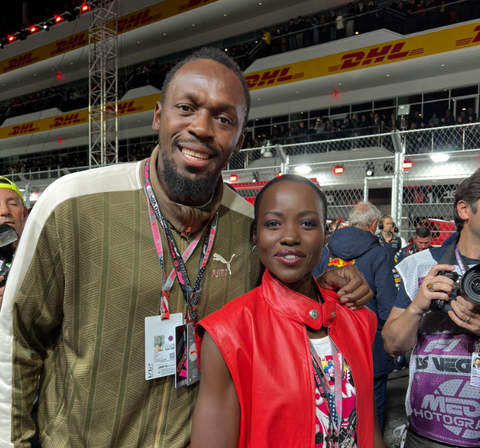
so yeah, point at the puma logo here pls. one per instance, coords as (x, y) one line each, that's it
(219, 258)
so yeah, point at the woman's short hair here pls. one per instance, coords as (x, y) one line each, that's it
(291, 178)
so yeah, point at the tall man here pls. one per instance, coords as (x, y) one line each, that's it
(12, 212)
(357, 245)
(443, 400)
(89, 278)
(421, 241)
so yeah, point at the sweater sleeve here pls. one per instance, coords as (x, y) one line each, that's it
(30, 321)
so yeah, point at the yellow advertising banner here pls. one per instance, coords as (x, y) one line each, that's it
(146, 103)
(464, 36)
(137, 19)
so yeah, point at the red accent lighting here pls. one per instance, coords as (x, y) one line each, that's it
(338, 170)
(59, 75)
(407, 164)
(11, 38)
(33, 29)
(59, 140)
(58, 19)
(233, 177)
(85, 8)
(335, 94)
(281, 174)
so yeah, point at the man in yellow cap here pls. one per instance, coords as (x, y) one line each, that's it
(12, 211)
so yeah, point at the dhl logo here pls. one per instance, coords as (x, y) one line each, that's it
(391, 52)
(135, 20)
(125, 108)
(26, 128)
(67, 120)
(338, 262)
(271, 77)
(20, 61)
(128, 108)
(191, 4)
(80, 40)
(469, 40)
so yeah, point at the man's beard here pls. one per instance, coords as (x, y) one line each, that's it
(196, 191)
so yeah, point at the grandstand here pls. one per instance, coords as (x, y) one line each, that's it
(365, 97)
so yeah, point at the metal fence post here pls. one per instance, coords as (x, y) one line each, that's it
(365, 189)
(397, 184)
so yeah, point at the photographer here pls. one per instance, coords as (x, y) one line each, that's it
(12, 212)
(441, 403)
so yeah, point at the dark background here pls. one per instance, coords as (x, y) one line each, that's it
(38, 11)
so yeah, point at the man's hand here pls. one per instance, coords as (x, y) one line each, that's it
(352, 288)
(465, 314)
(434, 287)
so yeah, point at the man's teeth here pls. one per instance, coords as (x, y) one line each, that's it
(193, 154)
(290, 257)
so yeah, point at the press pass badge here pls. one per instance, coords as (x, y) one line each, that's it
(160, 345)
(187, 371)
(475, 372)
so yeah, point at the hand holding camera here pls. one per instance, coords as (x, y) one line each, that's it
(447, 291)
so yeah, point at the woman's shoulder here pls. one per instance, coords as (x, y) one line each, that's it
(236, 310)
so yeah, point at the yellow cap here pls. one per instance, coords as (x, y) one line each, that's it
(8, 184)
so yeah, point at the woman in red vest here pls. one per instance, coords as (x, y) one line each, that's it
(287, 365)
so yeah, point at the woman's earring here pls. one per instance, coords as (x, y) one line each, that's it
(326, 247)
(253, 250)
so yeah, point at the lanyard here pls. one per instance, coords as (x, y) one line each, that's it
(334, 400)
(191, 295)
(461, 265)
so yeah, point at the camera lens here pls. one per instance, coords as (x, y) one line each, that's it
(471, 284)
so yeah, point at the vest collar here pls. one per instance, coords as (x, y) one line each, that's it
(297, 307)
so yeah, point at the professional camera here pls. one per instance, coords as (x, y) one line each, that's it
(8, 236)
(467, 286)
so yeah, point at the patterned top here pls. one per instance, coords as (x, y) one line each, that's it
(348, 429)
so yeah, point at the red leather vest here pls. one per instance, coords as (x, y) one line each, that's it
(264, 342)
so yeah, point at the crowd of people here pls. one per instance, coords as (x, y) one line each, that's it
(316, 130)
(94, 327)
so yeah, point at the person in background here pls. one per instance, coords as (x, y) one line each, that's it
(443, 342)
(421, 241)
(13, 213)
(387, 236)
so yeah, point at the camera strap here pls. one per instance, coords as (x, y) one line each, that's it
(460, 261)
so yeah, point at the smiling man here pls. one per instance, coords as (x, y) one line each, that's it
(92, 274)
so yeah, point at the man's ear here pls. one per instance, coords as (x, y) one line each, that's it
(241, 139)
(156, 116)
(463, 210)
(374, 226)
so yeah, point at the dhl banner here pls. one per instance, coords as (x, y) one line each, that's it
(137, 19)
(128, 107)
(464, 36)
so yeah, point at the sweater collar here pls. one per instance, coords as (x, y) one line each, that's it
(184, 219)
(297, 307)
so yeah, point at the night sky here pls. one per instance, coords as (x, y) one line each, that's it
(11, 15)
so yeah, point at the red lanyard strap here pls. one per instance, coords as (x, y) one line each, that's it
(191, 295)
